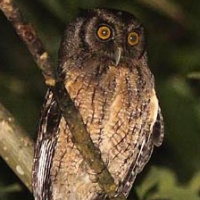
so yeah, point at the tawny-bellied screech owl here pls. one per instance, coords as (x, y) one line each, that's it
(103, 62)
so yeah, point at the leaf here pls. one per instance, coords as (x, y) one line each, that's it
(195, 182)
(167, 187)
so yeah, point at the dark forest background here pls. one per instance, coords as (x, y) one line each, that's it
(173, 28)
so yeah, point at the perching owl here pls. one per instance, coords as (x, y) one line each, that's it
(103, 62)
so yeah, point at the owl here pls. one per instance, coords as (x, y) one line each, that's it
(103, 64)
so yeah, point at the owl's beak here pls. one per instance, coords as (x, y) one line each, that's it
(118, 54)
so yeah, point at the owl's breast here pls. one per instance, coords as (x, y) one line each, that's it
(115, 108)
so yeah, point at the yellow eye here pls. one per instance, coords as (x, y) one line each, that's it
(133, 38)
(104, 32)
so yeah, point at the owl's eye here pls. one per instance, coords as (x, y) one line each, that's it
(133, 38)
(104, 32)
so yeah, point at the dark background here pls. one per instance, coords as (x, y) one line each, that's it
(173, 29)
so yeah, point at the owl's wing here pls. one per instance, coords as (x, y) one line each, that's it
(44, 148)
(145, 151)
(158, 129)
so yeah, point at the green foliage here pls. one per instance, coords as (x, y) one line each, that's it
(162, 184)
(174, 57)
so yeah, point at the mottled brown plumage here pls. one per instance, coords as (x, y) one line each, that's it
(104, 65)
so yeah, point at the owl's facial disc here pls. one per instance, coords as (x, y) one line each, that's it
(108, 35)
(116, 42)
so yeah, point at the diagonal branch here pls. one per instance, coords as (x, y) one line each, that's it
(82, 138)
(16, 148)
(28, 35)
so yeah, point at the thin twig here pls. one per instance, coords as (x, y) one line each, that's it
(73, 118)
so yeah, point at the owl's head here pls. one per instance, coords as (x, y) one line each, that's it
(110, 34)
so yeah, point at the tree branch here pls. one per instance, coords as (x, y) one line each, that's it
(16, 148)
(28, 35)
(73, 118)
